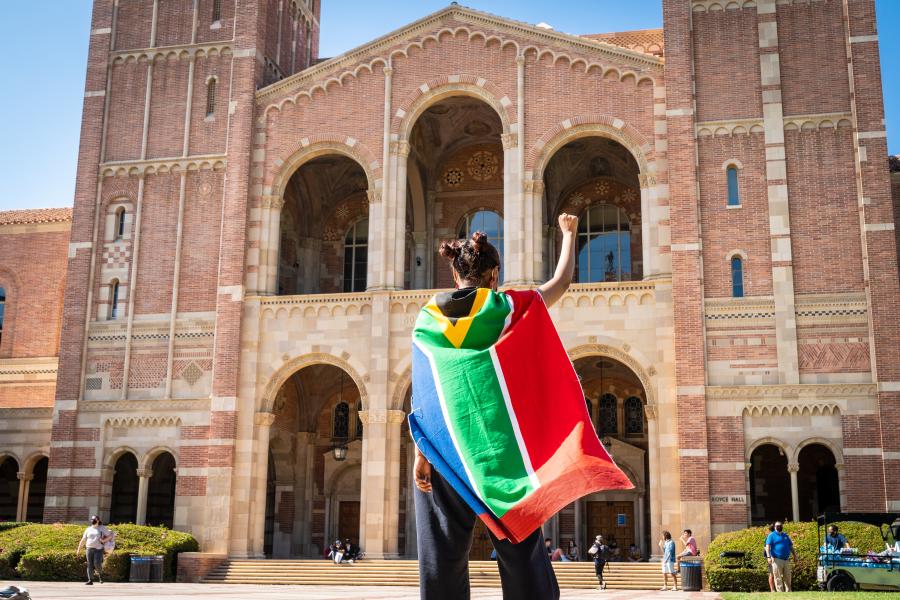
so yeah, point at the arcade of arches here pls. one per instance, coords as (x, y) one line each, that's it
(22, 491)
(454, 165)
(142, 495)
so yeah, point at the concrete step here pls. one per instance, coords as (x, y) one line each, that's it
(622, 576)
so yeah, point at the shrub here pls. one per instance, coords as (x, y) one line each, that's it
(754, 575)
(47, 552)
(4, 525)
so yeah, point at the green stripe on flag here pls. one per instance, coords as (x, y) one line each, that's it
(482, 427)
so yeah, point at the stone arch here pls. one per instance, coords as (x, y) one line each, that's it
(837, 454)
(8, 454)
(112, 457)
(785, 448)
(338, 476)
(27, 465)
(431, 93)
(402, 385)
(146, 462)
(309, 148)
(626, 359)
(283, 373)
(590, 126)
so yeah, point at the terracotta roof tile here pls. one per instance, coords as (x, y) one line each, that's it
(648, 41)
(37, 215)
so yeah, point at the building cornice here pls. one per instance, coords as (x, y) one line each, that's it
(381, 49)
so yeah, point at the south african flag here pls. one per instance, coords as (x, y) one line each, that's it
(498, 410)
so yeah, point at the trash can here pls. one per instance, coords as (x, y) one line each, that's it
(156, 569)
(691, 573)
(140, 569)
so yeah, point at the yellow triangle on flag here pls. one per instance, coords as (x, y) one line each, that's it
(456, 332)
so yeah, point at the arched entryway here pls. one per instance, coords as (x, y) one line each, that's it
(124, 498)
(616, 400)
(37, 488)
(817, 482)
(597, 179)
(324, 228)
(456, 159)
(161, 491)
(9, 488)
(313, 478)
(770, 485)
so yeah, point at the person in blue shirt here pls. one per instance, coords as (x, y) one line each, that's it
(836, 539)
(668, 561)
(779, 550)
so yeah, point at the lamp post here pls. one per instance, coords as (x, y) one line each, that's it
(339, 450)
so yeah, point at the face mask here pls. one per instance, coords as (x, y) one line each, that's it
(778, 529)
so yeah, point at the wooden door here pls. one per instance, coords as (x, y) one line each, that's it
(348, 521)
(481, 542)
(613, 520)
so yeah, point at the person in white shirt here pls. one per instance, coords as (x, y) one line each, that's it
(93, 539)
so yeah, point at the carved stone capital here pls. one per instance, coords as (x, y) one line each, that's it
(264, 419)
(388, 71)
(400, 148)
(147, 473)
(533, 186)
(381, 415)
(23, 476)
(651, 411)
(793, 468)
(374, 196)
(510, 140)
(520, 59)
(646, 180)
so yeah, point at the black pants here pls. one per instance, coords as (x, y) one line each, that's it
(598, 569)
(444, 526)
(95, 561)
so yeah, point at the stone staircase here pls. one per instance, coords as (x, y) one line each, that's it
(618, 576)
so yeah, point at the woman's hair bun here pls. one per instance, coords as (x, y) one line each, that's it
(450, 250)
(479, 239)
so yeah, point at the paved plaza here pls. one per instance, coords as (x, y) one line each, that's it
(43, 590)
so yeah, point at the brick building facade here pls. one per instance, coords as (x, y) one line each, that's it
(255, 230)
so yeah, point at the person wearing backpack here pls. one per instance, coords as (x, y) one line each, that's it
(600, 553)
(94, 539)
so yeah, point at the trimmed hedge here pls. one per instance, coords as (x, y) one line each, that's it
(47, 552)
(754, 575)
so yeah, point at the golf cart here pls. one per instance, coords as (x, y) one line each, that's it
(848, 569)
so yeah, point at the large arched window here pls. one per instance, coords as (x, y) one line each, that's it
(609, 418)
(114, 299)
(2, 310)
(9, 488)
(604, 245)
(734, 195)
(356, 257)
(490, 223)
(737, 277)
(340, 429)
(634, 416)
(124, 500)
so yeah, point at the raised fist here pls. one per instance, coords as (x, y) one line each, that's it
(568, 223)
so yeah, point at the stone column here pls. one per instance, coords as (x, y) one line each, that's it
(842, 486)
(380, 497)
(653, 486)
(641, 525)
(258, 480)
(303, 465)
(270, 285)
(430, 245)
(144, 476)
(24, 485)
(395, 206)
(419, 260)
(793, 468)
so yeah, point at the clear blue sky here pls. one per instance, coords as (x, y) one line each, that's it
(43, 76)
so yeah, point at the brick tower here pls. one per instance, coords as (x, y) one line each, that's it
(163, 164)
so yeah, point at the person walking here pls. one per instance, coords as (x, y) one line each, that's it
(494, 399)
(771, 528)
(667, 544)
(599, 551)
(779, 551)
(93, 538)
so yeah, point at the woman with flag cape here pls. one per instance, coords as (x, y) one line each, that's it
(500, 424)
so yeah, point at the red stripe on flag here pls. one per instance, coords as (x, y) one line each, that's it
(543, 388)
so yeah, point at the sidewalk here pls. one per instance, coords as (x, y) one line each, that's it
(47, 590)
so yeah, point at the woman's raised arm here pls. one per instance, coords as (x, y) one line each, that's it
(553, 290)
